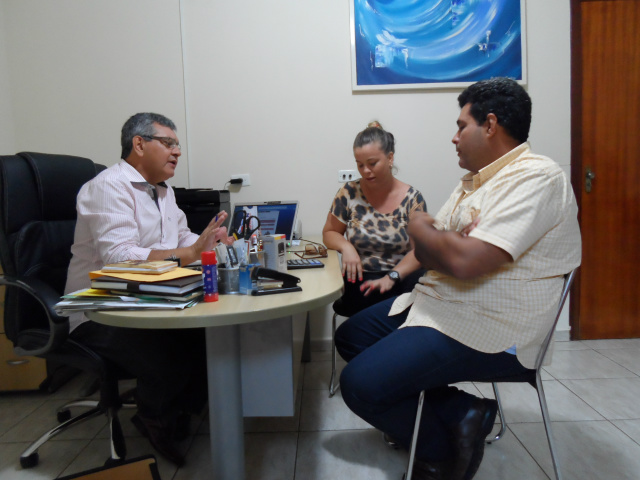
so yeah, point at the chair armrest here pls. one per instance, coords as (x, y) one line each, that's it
(47, 297)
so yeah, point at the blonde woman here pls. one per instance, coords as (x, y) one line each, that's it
(367, 224)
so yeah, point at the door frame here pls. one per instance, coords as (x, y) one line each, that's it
(576, 148)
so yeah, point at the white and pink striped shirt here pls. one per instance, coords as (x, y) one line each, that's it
(118, 219)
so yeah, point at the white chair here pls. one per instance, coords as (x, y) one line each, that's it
(533, 378)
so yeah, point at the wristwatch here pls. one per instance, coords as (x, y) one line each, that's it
(173, 258)
(395, 276)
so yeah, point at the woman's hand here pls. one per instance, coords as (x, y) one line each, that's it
(351, 264)
(382, 285)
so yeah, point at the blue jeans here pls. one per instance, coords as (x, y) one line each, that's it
(388, 367)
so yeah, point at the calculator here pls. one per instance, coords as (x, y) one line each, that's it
(295, 263)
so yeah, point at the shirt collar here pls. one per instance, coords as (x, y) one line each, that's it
(135, 177)
(471, 182)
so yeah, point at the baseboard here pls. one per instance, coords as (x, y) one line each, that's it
(320, 345)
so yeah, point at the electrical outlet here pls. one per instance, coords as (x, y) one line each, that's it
(347, 175)
(246, 178)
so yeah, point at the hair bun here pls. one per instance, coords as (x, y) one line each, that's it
(375, 124)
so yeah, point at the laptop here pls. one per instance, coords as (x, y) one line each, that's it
(277, 217)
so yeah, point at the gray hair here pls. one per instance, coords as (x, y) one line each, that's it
(141, 124)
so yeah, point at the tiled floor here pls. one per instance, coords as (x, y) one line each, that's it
(593, 390)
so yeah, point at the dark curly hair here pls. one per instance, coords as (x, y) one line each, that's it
(503, 97)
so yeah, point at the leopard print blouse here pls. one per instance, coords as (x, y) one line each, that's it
(380, 239)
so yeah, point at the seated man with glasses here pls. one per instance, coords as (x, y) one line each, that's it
(127, 212)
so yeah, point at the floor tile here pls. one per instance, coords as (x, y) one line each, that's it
(267, 457)
(15, 407)
(321, 355)
(613, 343)
(470, 388)
(318, 374)
(352, 454)
(44, 418)
(579, 364)
(613, 398)
(571, 345)
(507, 459)
(75, 388)
(586, 450)
(520, 402)
(319, 412)
(325, 440)
(630, 427)
(198, 461)
(271, 424)
(545, 375)
(54, 458)
(626, 357)
(270, 456)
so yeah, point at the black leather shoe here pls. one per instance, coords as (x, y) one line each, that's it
(158, 436)
(469, 438)
(423, 470)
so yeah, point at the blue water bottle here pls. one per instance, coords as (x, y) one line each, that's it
(210, 276)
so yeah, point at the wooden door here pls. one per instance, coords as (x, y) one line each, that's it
(606, 141)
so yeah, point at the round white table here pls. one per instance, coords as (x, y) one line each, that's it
(221, 320)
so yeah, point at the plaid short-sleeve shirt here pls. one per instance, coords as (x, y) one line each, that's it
(526, 207)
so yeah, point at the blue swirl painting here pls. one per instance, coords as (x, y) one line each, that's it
(414, 43)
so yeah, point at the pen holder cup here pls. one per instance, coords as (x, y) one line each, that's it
(229, 280)
(257, 257)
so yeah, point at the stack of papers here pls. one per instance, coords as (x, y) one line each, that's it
(177, 289)
(154, 267)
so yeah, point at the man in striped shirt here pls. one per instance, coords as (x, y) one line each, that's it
(127, 212)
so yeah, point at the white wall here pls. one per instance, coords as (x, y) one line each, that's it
(269, 94)
(265, 90)
(6, 111)
(80, 68)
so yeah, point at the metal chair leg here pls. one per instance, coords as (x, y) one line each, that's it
(503, 421)
(414, 438)
(29, 457)
(547, 424)
(333, 388)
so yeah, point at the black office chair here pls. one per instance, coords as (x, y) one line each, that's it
(532, 377)
(37, 222)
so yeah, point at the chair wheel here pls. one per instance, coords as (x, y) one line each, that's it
(113, 462)
(30, 461)
(64, 415)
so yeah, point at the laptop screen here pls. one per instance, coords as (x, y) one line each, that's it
(277, 217)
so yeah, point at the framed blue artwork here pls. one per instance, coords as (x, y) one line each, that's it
(418, 44)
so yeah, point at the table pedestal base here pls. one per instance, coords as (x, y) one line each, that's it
(225, 402)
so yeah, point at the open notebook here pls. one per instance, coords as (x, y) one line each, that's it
(277, 217)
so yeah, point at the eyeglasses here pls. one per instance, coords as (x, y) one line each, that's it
(313, 251)
(168, 142)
